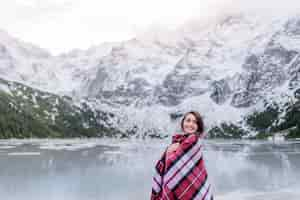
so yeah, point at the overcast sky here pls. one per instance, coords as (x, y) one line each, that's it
(61, 25)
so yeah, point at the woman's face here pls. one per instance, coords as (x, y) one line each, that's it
(190, 124)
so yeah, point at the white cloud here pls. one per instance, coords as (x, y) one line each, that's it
(63, 24)
(60, 25)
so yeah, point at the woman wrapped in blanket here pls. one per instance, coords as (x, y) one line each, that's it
(180, 174)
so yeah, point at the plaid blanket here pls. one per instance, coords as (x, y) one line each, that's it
(181, 174)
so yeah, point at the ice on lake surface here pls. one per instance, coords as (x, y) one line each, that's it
(113, 169)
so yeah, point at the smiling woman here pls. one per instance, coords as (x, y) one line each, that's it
(181, 172)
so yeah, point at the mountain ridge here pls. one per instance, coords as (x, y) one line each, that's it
(226, 71)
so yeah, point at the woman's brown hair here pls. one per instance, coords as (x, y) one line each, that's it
(199, 121)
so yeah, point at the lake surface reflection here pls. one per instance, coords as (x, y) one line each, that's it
(92, 169)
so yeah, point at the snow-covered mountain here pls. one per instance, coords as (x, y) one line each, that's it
(26, 63)
(226, 69)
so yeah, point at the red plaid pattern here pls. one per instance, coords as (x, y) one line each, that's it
(181, 175)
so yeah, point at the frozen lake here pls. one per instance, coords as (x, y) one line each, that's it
(92, 169)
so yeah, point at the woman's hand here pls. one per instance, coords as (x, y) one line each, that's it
(173, 147)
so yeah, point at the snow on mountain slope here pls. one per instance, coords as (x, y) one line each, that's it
(224, 69)
(31, 65)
